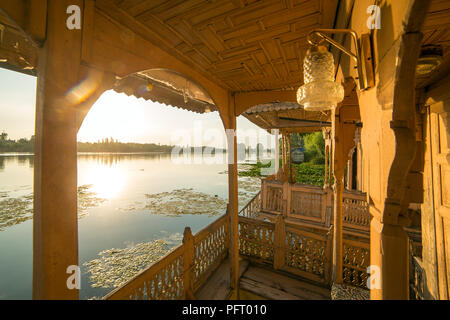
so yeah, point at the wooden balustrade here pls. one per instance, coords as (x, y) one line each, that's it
(356, 210)
(273, 193)
(307, 203)
(179, 273)
(312, 203)
(256, 240)
(286, 246)
(210, 249)
(163, 280)
(417, 279)
(252, 208)
(356, 260)
(300, 248)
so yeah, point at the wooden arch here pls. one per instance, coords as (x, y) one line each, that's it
(403, 114)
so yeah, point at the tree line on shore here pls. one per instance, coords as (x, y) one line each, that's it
(104, 145)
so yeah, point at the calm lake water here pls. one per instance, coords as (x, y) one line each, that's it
(129, 214)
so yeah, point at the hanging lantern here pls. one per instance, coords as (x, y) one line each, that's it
(320, 91)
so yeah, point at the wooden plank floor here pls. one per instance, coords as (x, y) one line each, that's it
(259, 283)
(217, 287)
(268, 284)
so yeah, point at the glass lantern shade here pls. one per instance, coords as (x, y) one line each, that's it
(320, 91)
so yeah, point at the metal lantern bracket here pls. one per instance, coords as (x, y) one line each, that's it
(362, 57)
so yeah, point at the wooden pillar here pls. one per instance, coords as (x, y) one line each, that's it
(331, 162)
(55, 233)
(233, 202)
(289, 152)
(280, 243)
(337, 232)
(389, 253)
(188, 242)
(350, 173)
(277, 152)
(343, 131)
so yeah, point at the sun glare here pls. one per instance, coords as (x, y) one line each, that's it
(115, 115)
(107, 182)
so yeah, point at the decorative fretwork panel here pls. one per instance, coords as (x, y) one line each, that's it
(274, 199)
(209, 248)
(356, 260)
(181, 271)
(307, 254)
(252, 208)
(417, 279)
(306, 204)
(162, 281)
(356, 211)
(256, 239)
(166, 284)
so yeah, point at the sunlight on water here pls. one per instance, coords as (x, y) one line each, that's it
(107, 182)
(132, 208)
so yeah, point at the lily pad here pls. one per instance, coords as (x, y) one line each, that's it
(116, 266)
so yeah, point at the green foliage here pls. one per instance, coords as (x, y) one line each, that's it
(109, 145)
(254, 170)
(105, 145)
(314, 148)
(308, 173)
(21, 145)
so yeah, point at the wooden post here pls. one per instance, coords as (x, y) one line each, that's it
(280, 243)
(326, 165)
(233, 203)
(277, 152)
(389, 251)
(55, 223)
(337, 230)
(188, 242)
(350, 173)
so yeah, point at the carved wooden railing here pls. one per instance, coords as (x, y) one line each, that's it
(287, 247)
(315, 204)
(162, 280)
(356, 260)
(252, 208)
(179, 273)
(272, 196)
(256, 240)
(210, 249)
(307, 203)
(355, 210)
(417, 279)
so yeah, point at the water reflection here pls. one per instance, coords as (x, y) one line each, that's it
(24, 160)
(112, 159)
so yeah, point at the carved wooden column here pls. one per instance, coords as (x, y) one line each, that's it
(359, 159)
(326, 137)
(350, 172)
(55, 223)
(233, 199)
(277, 152)
(343, 130)
(337, 232)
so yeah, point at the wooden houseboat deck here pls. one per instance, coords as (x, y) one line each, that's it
(259, 283)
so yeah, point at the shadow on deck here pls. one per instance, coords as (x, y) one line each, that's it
(259, 283)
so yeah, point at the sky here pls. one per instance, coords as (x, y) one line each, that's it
(124, 118)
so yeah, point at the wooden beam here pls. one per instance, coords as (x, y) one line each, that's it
(29, 16)
(122, 45)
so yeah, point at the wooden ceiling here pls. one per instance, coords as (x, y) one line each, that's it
(436, 31)
(245, 45)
